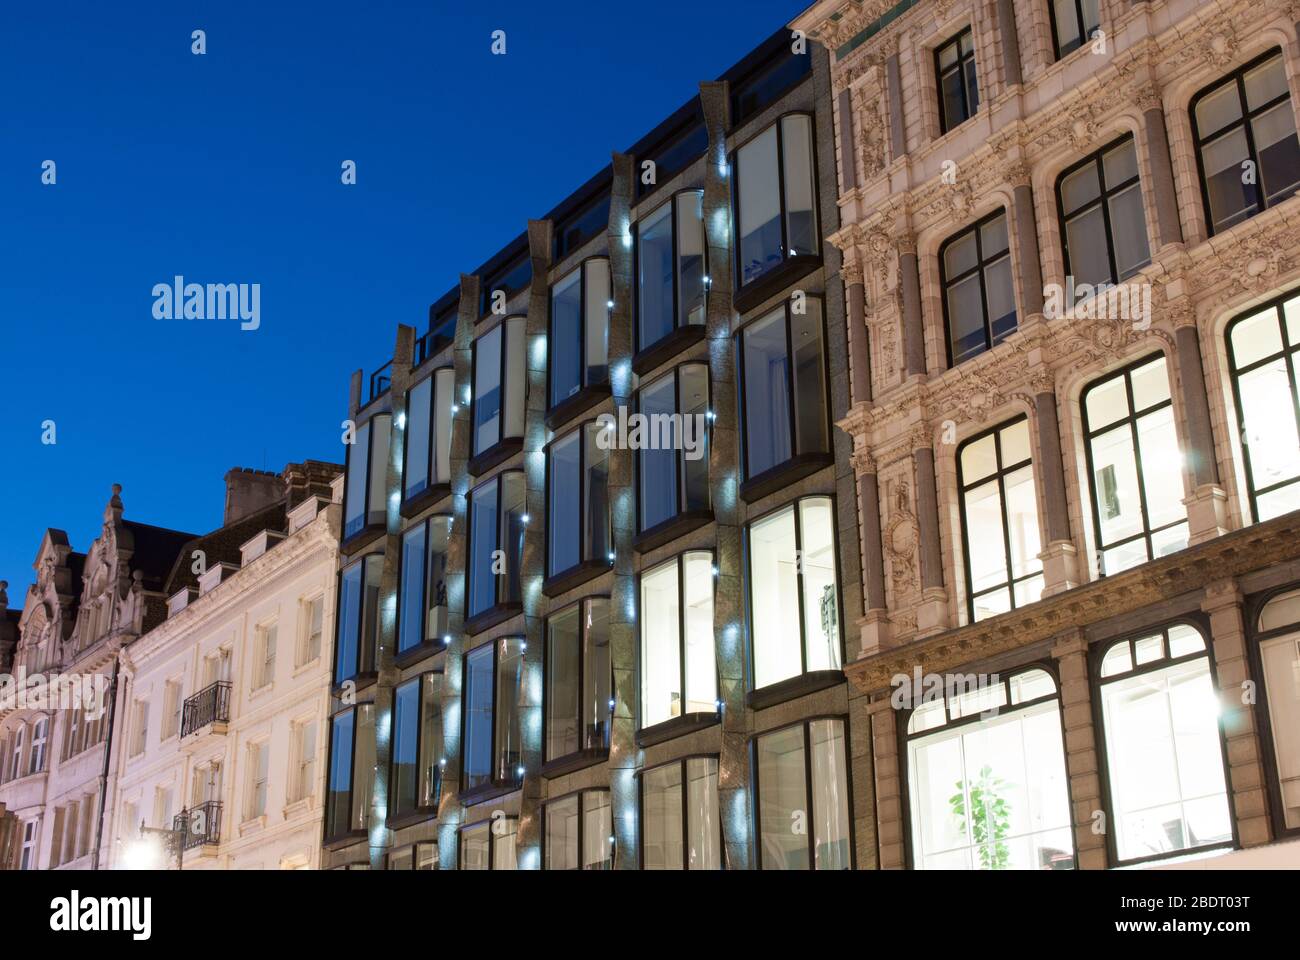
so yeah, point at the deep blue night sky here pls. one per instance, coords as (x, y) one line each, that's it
(226, 168)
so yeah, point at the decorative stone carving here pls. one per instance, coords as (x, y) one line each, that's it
(901, 535)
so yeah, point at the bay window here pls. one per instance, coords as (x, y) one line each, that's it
(680, 824)
(578, 530)
(497, 522)
(1103, 226)
(1279, 656)
(673, 461)
(428, 434)
(1243, 128)
(1164, 752)
(579, 679)
(794, 592)
(954, 66)
(999, 521)
(422, 584)
(579, 342)
(578, 832)
(801, 783)
(1073, 24)
(1134, 466)
(1263, 354)
(678, 665)
(500, 387)
(358, 626)
(489, 845)
(364, 499)
(775, 200)
(979, 303)
(352, 770)
(416, 779)
(493, 746)
(783, 397)
(671, 269)
(986, 778)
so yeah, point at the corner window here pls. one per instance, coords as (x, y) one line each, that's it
(959, 95)
(500, 385)
(416, 781)
(422, 601)
(579, 679)
(678, 667)
(428, 433)
(578, 516)
(1263, 353)
(367, 473)
(489, 845)
(497, 522)
(783, 398)
(794, 592)
(578, 832)
(493, 748)
(358, 628)
(671, 268)
(1102, 222)
(1073, 24)
(579, 341)
(1244, 130)
(1134, 466)
(999, 521)
(986, 779)
(1164, 754)
(775, 199)
(802, 776)
(672, 460)
(1279, 654)
(979, 304)
(352, 770)
(680, 824)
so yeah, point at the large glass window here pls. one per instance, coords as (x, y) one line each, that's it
(802, 782)
(500, 385)
(428, 433)
(671, 268)
(783, 373)
(1264, 351)
(680, 825)
(999, 521)
(422, 600)
(794, 592)
(1134, 466)
(578, 832)
(1279, 654)
(986, 778)
(579, 343)
(678, 667)
(578, 517)
(1164, 753)
(1073, 24)
(959, 95)
(979, 303)
(352, 770)
(493, 748)
(579, 679)
(1102, 221)
(358, 626)
(416, 781)
(489, 845)
(364, 498)
(497, 521)
(775, 199)
(1244, 129)
(673, 459)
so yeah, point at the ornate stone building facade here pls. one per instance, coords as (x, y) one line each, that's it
(1069, 234)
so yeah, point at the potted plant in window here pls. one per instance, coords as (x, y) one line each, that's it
(988, 817)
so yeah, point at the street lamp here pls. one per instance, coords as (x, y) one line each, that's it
(173, 840)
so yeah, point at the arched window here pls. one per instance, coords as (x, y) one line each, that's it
(1279, 656)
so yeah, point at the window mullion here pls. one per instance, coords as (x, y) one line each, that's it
(809, 826)
(780, 185)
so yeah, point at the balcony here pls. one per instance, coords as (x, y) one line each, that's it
(200, 826)
(209, 707)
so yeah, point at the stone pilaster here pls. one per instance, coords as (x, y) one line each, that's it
(1010, 39)
(932, 615)
(1081, 757)
(859, 355)
(1169, 228)
(875, 623)
(1207, 505)
(897, 125)
(889, 779)
(1026, 241)
(909, 280)
(1060, 569)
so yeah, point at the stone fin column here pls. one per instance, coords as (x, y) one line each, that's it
(450, 811)
(1081, 759)
(1207, 507)
(909, 280)
(381, 836)
(624, 756)
(1010, 37)
(528, 842)
(1026, 242)
(724, 482)
(932, 617)
(1059, 556)
(1169, 228)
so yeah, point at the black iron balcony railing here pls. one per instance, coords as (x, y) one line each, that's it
(209, 705)
(381, 380)
(199, 825)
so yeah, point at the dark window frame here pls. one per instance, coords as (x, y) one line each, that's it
(679, 495)
(558, 580)
(679, 327)
(358, 674)
(1084, 36)
(980, 269)
(492, 282)
(492, 838)
(366, 527)
(431, 484)
(1102, 200)
(680, 762)
(504, 445)
(494, 785)
(426, 643)
(584, 385)
(946, 123)
(582, 751)
(1252, 609)
(416, 811)
(497, 479)
(581, 823)
(685, 717)
(333, 837)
